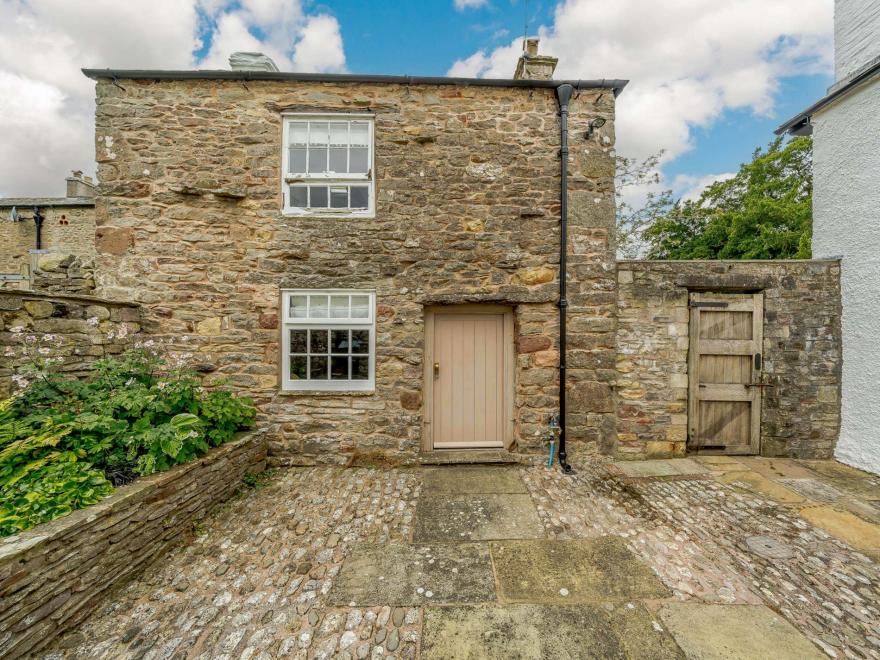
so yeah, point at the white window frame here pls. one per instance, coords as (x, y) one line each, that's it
(311, 323)
(288, 178)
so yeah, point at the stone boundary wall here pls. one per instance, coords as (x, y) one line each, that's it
(54, 575)
(802, 352)
(65, 274)
(82, 329)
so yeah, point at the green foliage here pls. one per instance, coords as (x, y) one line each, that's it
(764, 212)
(65, 443)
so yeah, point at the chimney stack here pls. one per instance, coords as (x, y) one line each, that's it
(532, 66)
(79, 185)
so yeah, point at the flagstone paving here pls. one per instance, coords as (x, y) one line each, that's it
(716, 557)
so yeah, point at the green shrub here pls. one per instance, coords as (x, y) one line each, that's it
(65, 443)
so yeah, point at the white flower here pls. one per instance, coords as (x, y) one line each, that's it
(31, 339)
(44, 350)
(9, 352)
(20, 381)
(192, 434)
(92, 321)
(161, 385)
(130, 381)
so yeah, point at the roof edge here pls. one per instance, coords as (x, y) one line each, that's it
(9, 202)
(798, 124)
(222, 74)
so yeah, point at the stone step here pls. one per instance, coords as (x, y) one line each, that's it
(467, 457)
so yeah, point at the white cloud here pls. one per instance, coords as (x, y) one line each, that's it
(47, 105)
(688, 61)
(689, 187)
(461, 5)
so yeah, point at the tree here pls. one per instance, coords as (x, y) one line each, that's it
(764, 212)
(631, 221)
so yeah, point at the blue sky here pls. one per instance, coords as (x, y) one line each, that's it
(709, 80)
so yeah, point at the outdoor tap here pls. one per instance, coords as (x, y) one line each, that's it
(553, 425)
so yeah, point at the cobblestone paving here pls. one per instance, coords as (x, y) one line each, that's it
(254, 584)
(694, 534)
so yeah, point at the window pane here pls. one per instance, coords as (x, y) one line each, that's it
(360, 341)
(339, 367)
(360, 367)
(318, 197)
(317, 161)
(358, 163)
(338, 198)
(298, 367)
(318, 341)
(338, 307)
(298, 341)
(360, 197)
(360, 133)
(318, 132)
(299, 197)
(318, 367)
(360, 307)
(339, 341)
(318, 307)
(338, 159)
(299, 132)
(298, 308)
(297, 163)
(339, 133)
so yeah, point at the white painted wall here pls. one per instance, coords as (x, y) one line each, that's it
(846, 222)
(856, 35)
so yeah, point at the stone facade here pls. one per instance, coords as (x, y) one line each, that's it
(802, 352)
(189, 225)
(66, 230)
(86, 328)
(53, 576)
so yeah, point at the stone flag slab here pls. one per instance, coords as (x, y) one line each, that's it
(580, 571)
(398, 574)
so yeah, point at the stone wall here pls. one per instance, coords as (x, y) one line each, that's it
(189, 224)
(802, 352)
(54, 575)
(82, 329)
(66, 230)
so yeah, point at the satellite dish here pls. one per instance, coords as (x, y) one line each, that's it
(13, 214)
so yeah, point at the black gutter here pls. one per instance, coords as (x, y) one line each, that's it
(563, 95)
(38, 221)
(146, 74)
(800, 124)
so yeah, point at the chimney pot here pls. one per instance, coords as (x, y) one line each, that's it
(79, 185)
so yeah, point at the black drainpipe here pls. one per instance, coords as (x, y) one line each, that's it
(563, 95)
(38, 221)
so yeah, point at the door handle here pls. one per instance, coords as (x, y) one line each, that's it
(436, 370)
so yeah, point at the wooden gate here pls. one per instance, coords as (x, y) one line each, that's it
(724, 407)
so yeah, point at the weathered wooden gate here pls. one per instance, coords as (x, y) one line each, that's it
(724, 408)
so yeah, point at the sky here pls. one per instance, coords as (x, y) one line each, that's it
(709, 79)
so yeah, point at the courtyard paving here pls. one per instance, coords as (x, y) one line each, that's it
(710, 557)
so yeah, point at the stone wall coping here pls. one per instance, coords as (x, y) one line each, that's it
(11, 546)
(647, 262)
(63, 297)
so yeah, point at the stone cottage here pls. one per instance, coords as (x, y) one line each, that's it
(67, 227)
(376, 259)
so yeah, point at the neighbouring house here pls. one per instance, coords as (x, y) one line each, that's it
(39, 232)
(376, 259)
(845, 125)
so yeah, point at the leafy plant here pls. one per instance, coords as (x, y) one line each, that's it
(64, 443)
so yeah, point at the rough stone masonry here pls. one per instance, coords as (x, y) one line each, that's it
(189, 225)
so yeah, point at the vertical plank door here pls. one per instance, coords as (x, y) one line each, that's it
(469, 381)
(724, 366)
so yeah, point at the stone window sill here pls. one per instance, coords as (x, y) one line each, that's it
(326, 393)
